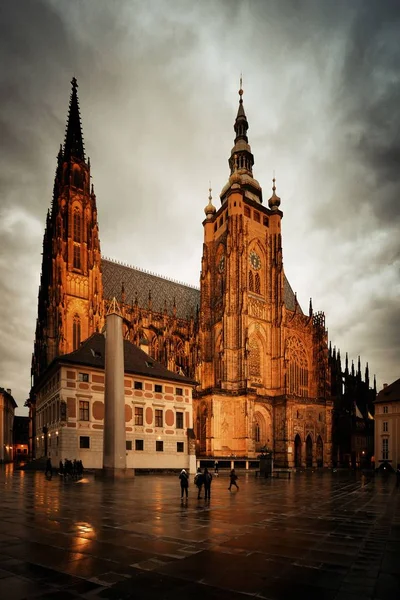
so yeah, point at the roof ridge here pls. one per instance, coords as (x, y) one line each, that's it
(128, 266)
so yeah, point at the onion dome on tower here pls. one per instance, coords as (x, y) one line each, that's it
(210, 209)
(274, 202)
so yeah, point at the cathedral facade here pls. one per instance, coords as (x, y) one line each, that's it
(261, 364)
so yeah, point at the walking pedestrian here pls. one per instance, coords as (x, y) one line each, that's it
(61, 469)
(49, 468)
(216, 468)
(233, 477)
(199, 480)
(184, 479)
(207, 484)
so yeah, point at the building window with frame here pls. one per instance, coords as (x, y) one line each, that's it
(385, 410)
(385, 449)
(158, 388)
(83, 377)
(138, 415)
(158, 417)
(77, 226)
(179, 391)
(159, 446)
(83, 410)
(84, 441)
(137, 385)
(139, 445)
(257, 284)
(180, 446)
(251, 281)
(385, 426)
(77, 256)
(179, 420)
(128, 444)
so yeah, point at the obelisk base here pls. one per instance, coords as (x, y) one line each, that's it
(115, 473)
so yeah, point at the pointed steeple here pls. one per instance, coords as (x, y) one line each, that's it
(310, 308)
(367, 375)
(73, 144)
(241, 125)
(241, 160)
(241, 157)
(347, 364)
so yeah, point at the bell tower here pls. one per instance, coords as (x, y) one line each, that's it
(70, 301)
(241, 304)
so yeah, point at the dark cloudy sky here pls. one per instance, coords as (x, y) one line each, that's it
(158, 85)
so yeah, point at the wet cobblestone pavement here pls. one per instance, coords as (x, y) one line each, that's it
(316, 536)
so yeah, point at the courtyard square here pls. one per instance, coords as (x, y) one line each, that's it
(318, 536)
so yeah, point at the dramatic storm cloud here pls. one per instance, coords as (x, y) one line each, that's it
(158, 85)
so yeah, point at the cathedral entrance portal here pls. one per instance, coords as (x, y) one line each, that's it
(320, 452)
(309, 450)
(297, 451)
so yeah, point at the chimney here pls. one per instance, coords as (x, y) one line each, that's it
(8, 390)
(385, 385)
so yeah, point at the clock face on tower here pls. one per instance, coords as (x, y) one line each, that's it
(221, 264)
(255, 260)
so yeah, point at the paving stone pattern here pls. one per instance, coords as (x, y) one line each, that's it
(318, 536)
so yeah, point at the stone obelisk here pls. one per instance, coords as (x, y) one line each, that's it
(114, 438)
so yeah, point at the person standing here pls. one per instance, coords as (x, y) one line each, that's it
(184, 479)
(49, 468)
(233, 477)
(207, 483)
(199, 480)
(216, 468)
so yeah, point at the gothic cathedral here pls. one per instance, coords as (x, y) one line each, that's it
(262, 364)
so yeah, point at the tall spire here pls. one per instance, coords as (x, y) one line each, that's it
(241, 157)
(73, 143)
(241, 160)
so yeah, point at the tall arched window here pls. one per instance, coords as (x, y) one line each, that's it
(258, 284)
(76, 332)
(297, 372)
(251, 281)
(77, 226)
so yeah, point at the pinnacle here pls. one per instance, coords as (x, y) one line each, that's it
(73, 144)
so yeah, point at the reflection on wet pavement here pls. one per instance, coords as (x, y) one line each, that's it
(318, 535)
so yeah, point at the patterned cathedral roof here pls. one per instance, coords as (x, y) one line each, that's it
(163, 291)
